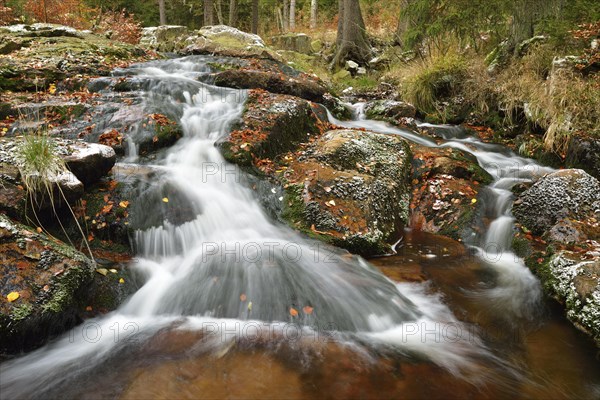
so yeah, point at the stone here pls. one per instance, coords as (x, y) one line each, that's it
(164, 38)
(583, 151)
(387, 110)
(90, 161)
(569, 193)
(361, 71)
(351, 65)
(298, 42)
(227, 41)
(316, 46)
(48, 276)
(350, 188)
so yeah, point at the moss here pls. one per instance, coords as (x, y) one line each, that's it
(65, 288)
(521, 246)
(293, 206)
(21, 312)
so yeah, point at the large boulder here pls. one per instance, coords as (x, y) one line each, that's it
(446, 183)
(389, 110)
(227, 41)
(42, 286)
(574, 280)
(43, 54)
(271, 125)
(349, 188)
(566, 194)
(164, 37)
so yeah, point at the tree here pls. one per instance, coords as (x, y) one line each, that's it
(313, 14)
(292, 15)
(254, 16)
(208, 12)
(161, 12)
(286, 15)
(352, 42)
(232, 13)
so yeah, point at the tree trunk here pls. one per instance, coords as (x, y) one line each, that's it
(403, 23)
(340, 29)
(161, 12)
(313, 14)
(254, 16)
(208, 12)
(232, 13)
(219, 8)
(523, 22)
(286, 15)
(292, 15)
(352, 42)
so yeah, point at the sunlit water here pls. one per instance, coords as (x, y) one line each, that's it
(231, 289)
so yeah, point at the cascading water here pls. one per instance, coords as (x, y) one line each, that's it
(227, 262)
(517, 289)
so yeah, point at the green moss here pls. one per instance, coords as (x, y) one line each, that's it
(521, 246)
(293, 206)
(65, 288)
(21, 312)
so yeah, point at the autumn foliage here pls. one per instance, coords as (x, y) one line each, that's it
(65, 12)
(121, 25)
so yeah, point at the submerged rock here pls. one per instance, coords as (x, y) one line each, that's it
(42, 286)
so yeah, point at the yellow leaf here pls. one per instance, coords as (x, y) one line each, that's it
(52, 88)
(121, 280)
(250, 306)
(38, 229)
(165, 200)
(102, 271)
(124, 204)
(473, 201)
(114, 271)
(12, 296)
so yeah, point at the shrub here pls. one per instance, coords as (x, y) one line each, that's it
(120, 25)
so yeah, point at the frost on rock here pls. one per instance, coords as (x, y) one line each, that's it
(577, 284)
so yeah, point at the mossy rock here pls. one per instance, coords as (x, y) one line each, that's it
(50, 278)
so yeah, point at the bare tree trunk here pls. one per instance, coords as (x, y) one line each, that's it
(292, 15)
(232, 13)
(45, 12)
(313, 14)
(340, 29)
(286, 16)
(161, 12)
(219, 8)
(403, 23)
(254, 16)
(352, 43)
(208, 12)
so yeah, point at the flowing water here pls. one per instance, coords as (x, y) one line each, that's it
(237, 305)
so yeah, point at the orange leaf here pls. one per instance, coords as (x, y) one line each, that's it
(293, 312)
(124, 204)
(308, 310)
(242, 297)
(106, 209)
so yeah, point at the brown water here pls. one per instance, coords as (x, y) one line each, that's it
(548, 359)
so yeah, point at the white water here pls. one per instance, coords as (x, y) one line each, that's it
(229, 266)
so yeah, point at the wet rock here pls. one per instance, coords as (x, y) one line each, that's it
(271, 125)
(48, 54)
(350, 188)
(584, 152)
(446, 183)
(298, 42)
(387, 110)
(49, 278)
(227, 41)
(574, 280)
(307, 88)
(570, 193)
(90, 161)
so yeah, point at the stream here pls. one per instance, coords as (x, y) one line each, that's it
(213, 318)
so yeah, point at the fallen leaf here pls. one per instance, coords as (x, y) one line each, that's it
(12, 296)
(242, 297)
(88, 308)
(293, 312)
(473, 201)
(307, 310)
(124, 204)
(121, 280)
(112, 270)
(165, 200)
(102, 271)
(106, 209)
